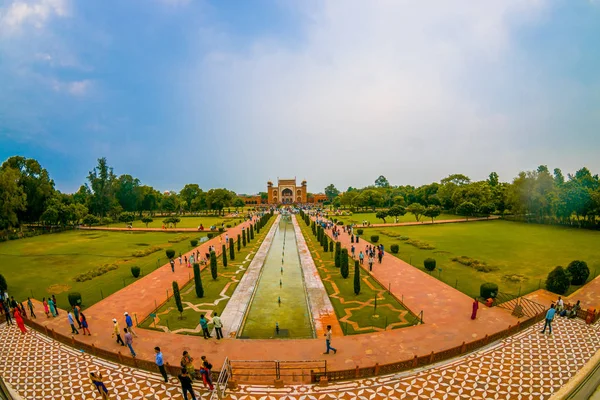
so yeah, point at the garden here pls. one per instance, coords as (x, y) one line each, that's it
(358, 218)
(516, 256)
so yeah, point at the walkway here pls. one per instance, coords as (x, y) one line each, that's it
(167, 230)
(528, 366)
(424, 222)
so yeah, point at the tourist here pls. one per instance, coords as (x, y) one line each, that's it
(371, 261)
(129, 324)
(179, 258)
(72, 323)
(172, 265)
(76, 311)
(549, 317)
(160, 363)
(204, 325)
(379, 255)
(31, 307)
(361, 257)
(13, 302)
(560, 305)
(475, 308)
(117, 332)
(84, 324)
(129, 341)
(22, 309)
(46, 308)
(55, 304)
(328, 340)
(573, 311)
(19, 320)
(99, 383)
(187, 363)
(352, 250)
(51, 304)
(218, 325)
(206, 372)
(186, 384)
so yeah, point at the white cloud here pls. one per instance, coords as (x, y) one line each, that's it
(20, 13)
(75, 88)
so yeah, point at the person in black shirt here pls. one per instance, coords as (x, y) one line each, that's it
(186, 384)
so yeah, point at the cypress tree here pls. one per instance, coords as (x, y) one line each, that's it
(331, 246)
(177, 297)
(244, 238)
(258, 227)
(213, 264)
(239, 243)
(198, 281)
(252, 232)
(338, 254)
(325, 244)
(231, 249)
(356, 278)
(314, 227)
(248, 235)
(344, 264)
(224, 253)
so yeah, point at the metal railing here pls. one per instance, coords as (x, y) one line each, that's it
(518, 306)
(222, 380)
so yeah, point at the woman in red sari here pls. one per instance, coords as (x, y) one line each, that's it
(475, 308)
(19, 321)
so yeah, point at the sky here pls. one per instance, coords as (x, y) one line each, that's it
(236, 93)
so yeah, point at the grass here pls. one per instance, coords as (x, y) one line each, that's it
(360, 307)
(358, 218)
(517, 256)
(213, 289)
(47, 264)
(186, 222)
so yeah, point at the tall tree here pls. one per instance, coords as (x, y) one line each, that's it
(12, 198)
(382, 182)
(188, 194)
(127, 192)
(331, 192)
(416, 209)
(101, 180)
(493, 179)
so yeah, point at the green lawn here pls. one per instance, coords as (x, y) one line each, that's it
(341, 292)
(358, 218)
(47, 264)
(520, 255)
(186, 222)
(213, 289)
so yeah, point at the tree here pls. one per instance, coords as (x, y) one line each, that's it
(101, 180)
(370, 198)
(381, 215)
(396, 211)
(325, 243)
(467, 209)
(231, 250)
(382, 182)
(239, 243)
(344, 263)
(331, 192)
(356, 278)
(558, 280)
(224, 253)
(147, 220)
(416, 209)
(213, 264)
(177, 297)
(198, 281)
(244, 238)
(90, 220)
(217, 199)
(12, 198)
(429, 264)
(189, 192)
(578, 271)
(238, 203)
(432, 212)
(252, 232)
(3, 284)
(127, 192)
(338, 254)
(493, 179)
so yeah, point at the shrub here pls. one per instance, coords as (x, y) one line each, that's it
(178, 238)
(228, 225)
(395, 248)
(579, 272)
(74, 298)
(135, 271)
(198, 281)
(429, 264)
(95, 272)
(404, 237)
(3, 284)
(558, 280)
(224, 254)
(331, 247)
(221, 230)
(146, 251)
(340, 223)
(244, 238)
(356, 278)
(213, 264)
(344, 263)
(147, 220)
(360, 231)
(210, 235)
(177, 297)
(231, 249)
(194, 242)
(170, 253)
(488, 290)
(374, 238)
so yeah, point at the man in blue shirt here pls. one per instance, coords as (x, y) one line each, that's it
(160, 363)
(129, 324)
(549, 318)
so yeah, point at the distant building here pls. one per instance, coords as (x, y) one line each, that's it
(286, 192)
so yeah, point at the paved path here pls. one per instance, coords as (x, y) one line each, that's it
(424, 222)
(526, 366)
(167, 230)
(589, 295)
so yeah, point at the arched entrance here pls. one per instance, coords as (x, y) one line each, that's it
(287, 196)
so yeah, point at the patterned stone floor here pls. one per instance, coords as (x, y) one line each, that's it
(526, 366)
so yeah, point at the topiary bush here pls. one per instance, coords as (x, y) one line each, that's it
(74, 298)
(429, 264)
(360, 231)
(344, 263)
(213, 265)
(170, 253)
(488, 289)
(395, 248)
(558, 280)
(198, 281)
(228, 225)
(221, 229)
(135, 271)
(209, 235)
(194, 242)
(374, 238)
(579, 272)
(224, 254)
(340, 223)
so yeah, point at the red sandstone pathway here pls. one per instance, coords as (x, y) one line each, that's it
(446, 314)
(589, 295)
(424, 222)
(167, 230)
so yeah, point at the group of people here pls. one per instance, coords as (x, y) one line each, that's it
(15, 310)
(188, 372)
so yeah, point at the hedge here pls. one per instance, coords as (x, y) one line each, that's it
(488, 290)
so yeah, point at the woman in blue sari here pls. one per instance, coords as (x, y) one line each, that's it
(52, 307)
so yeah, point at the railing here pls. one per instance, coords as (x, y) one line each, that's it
(221, 383)
(267, 371)
(518, 306)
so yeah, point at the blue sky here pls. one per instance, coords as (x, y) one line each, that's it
(234, 93)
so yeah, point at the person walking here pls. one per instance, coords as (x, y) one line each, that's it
(379, 255)
(206, 372)
(475, 308)
(129, 341)
(84, 324)
(129, 324)
(549, 317)
(31, 307)
(204, 325)
(98, 382)
(19, 321)
(172, 265)
(72, 323)
(187, 363)
(117, 332)
(186, 384)
(361, 257)
(46, 308)
(371, 260)
(51, 304)
(76, 311)
(328, 341)
(55, 304)
(160, 363)
(218, 326)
